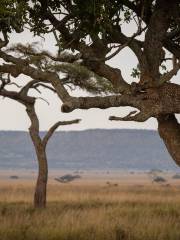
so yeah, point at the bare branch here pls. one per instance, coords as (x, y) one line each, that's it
(168, 76)
(18, 97)
(4, 81)
(54, 127)
(45, 86)
(43, 99)
(15, 84)
(25, 89)
(35, 88)
(121, 47)
(172, 47)
(133, 116)
(129, 40)
(125, 41)
(132, 113)
(3, 43)
(135, 45)
(34, 84)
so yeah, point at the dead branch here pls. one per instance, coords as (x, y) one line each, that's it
(133, 116)
(3, 43)
(45, 86)
(121, 47)
(16, 96)
(43, 99)
(15, 84)
(25, 89)
(168, 76)
(55, 126)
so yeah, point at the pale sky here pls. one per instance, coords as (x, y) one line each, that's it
(13, 115)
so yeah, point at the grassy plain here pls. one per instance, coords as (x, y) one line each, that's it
(91, 211)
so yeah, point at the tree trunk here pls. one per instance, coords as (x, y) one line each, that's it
(41, 184)
(40, 148)
(169, 131)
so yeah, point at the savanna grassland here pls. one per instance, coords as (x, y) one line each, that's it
(91, 212)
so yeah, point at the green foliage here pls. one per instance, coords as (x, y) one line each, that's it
(163, 67)
(74, 73)
(12, 15)
(90, 19)
(38, 26)
(31, 54)
(95, 16)
(128, 15)
(80, 76)
(135, 72)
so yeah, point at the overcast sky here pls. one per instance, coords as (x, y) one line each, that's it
(13, 115)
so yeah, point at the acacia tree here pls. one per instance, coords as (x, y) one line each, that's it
(39, 143)
(94, 29)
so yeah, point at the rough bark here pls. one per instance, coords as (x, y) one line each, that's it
(162, 100)
(169, 131)
(154, 37)
(41, 184)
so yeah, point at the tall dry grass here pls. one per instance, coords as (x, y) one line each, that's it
(80, 212)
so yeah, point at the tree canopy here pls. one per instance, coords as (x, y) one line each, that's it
(88, 34)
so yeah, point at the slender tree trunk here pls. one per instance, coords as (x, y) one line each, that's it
(41, 184)
(169, 131)
(40, 148)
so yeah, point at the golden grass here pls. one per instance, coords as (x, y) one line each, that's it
(91, 212)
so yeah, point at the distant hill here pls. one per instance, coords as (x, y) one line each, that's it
(91, 149)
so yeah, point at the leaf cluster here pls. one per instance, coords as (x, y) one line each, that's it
(13, 15)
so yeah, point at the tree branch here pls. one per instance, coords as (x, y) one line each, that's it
(172, 47)
(45, 86)
(116, 35)
(20, 66)
(18, 97)
(100, 102)
(54, 127)
(3, 43)
(25, 89)
(28, 50)
(133, 116)
(168, 76)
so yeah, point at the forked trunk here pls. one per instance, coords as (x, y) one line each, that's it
(169, 131)
(41, 184)
(40, 148)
